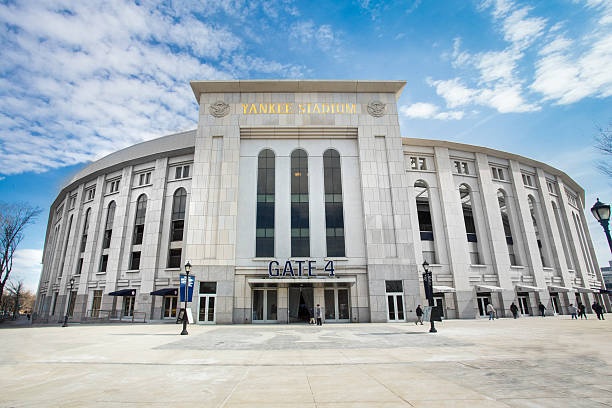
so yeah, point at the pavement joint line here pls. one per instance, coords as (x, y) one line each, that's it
(229, 395)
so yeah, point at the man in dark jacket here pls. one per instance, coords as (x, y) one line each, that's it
(582, 311)
(419, 313)
(514, 310)
(598, 310)
(542, 309)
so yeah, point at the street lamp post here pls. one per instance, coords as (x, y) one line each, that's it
(187, 269)
(68, 305)
(601, 212)
(428, 283)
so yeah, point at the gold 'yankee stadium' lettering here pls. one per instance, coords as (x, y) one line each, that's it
(300, 108)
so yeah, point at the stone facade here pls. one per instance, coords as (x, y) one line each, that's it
(378, 278)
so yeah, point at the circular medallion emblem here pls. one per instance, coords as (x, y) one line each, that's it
(376, 108)
(219, 109)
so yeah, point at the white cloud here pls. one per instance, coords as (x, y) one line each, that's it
(81, 79)
(27, 267)
(521, 30)
(422, 110)
(308, 33)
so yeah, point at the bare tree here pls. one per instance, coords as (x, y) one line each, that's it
(15, 290)
(13, 220)
(604, 145)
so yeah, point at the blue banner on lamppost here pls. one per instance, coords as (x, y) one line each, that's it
(190, 289)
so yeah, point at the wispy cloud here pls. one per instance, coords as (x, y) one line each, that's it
(81, 79)
(421, 110)
(27, 266)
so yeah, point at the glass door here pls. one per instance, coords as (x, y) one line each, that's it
(207, 309)
(337, 307)
(170, 303)
(554, 299)
(483, 301)
(395, 307)
(265, 306)
(439, 303)
(128, 306)
(524, 305)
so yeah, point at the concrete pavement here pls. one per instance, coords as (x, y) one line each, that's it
(529, 362)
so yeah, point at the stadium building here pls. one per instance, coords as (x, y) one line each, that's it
(296, 193)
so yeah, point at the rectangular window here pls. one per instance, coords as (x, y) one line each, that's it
(107, 239)
(527, 180)
(185, 171)
(178, 171)
(177, 230)
(79, 266)
(414, 163)
(422, 163)
(551, 188)
(498, 173)
(141, 179)
(144, 178)
(208, 288)
(458, 167)
(114, 186)
(96, 303)
(90, 194)
(393, 286)
(148, 178)
(135, 261)
(174, 258)
(464, 165)
(72, 202)
(461, 167)
(138, 234)
(103, 263)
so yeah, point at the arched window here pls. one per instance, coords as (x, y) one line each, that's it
(534, 219)
(85, 228)
(264, 229)
(108, 227)
(179, 201)
(334, 210)
(562, 233)
(61, 270)
(505, 216)
(139, 222)
(470, 226)
(177, 227)
(300, 227)
(425, 224)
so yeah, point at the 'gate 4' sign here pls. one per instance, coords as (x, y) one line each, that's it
(298, 269)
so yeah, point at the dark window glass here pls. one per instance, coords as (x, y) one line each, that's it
(103, 263)
(85, 228)
(178, 171)
(501, 198)
(80, 266)
(393, 286)
(423, 211)
(141, 210)
(108, 228)
(135, 261)
(334, 217)
(174, 258)
(208, 288)
(300, 232)
(178, 214)
(264, 234)
(468, 217)
(185, 171)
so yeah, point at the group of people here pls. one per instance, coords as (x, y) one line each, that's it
(581, 311)
(319, 321)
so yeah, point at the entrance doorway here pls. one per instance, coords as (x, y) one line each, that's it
(301, 303)
(337, 305)
(483, 301)
(523, 301)
(439, 303)
(556, 305)
(265, 306)
(207, 309)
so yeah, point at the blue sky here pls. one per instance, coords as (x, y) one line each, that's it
(79, 80)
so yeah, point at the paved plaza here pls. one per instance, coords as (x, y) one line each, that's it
(529, 362)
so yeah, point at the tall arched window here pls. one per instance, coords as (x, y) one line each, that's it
(300, 226)
(334, 210)
(534, 219)
(61, 270)
(562, 233)
(264, 229)
(85, 229)
(108, 227)
(470, 226)
(139, 222)
(179, 201)
(505, 216)
(177, 227)
(425, 224)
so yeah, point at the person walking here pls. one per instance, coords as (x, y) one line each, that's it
(491, 311)
(419, 314)
(599, 310)
(582, 311)
(573, 310)
(542, 309)
(318, 313)
(514, 310)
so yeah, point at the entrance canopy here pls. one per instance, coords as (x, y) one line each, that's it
(165, 292)
(124, 292)
(580, 289)
(527, 288)
(563, 289)
(350, 280)
(488, 288)
(443, 289)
